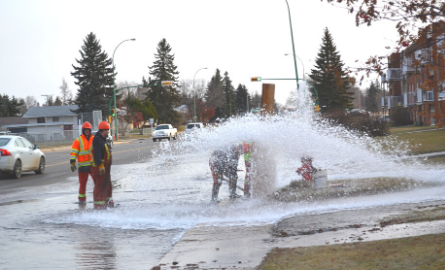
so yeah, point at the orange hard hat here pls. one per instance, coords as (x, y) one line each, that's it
(104, 125)
(86, 125)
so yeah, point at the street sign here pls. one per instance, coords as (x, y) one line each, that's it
(151, 120)
(166, 83)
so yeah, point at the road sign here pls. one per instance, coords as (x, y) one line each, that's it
(166, 83)
(151, 120)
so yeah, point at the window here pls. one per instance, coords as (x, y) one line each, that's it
(4, 141)
(55, 119)
(19, 143)
(41, 120)
(27, 143)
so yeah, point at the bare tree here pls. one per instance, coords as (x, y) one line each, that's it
(30, 101)
(65, 93)
(193, 95)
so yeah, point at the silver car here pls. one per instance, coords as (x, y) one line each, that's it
(18, 155)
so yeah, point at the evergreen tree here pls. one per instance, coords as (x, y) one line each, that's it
(94, 76)
(57, 101)
(164, 99)
(214, 95)
(330, 78)
(256, 101)
(242, 99)
(9, 106)
(229, 94)
(371, 97)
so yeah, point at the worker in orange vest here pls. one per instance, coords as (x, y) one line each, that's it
(101, 167)
(81, 150)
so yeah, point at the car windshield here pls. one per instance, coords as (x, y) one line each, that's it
(4, 141)
(161, 127)
(189, 126)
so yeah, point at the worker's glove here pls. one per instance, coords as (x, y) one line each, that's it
(73, 165)
(101, 169)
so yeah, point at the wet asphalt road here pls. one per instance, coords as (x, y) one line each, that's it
(58, 168)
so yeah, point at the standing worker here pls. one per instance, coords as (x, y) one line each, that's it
(247, 149)
(224, 162)
(81, 149)
(100, 168)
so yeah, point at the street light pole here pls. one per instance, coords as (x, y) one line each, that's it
(114, 90)
(194, 94)
(293, 46)
(298, 59)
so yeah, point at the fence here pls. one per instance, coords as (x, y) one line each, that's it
(50, 138)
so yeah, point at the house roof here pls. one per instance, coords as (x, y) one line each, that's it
(50, 111)
(16, 120)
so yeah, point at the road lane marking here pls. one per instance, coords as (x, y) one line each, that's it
(67, 162)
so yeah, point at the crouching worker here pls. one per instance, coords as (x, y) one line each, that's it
(306, 169)
(224, 162)
(101, 167)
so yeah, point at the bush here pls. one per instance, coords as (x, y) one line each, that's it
(363, 123)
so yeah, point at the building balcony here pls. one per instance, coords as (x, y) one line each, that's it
(424, 55)
(392, 101)
(394, 74)
(408, 65)
(411, 98)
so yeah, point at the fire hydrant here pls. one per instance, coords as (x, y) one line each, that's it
(306, 169)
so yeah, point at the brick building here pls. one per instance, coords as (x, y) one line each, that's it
(416, 78)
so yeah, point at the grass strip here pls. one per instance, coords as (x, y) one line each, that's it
(397, 130)
(420, 252)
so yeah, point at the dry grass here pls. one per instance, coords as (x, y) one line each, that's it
(299, 191)
(422, 252)
(424, 142)
(397, 130)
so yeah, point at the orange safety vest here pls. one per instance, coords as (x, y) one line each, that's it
(81, 149)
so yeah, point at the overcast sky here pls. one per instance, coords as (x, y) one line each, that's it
(40, 39)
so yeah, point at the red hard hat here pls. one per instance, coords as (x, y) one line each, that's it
(104, 125)
(86, 125)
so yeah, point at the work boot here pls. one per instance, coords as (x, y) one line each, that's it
(232, 189)
(82, 204)
(215, 192)
(109, 203)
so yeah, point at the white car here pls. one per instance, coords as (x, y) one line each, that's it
(18, 155)
(193, 127)
(164, 131)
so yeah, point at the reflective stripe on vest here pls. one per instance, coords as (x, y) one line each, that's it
(248, 154)
(83, 156)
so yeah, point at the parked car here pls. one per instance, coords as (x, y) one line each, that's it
(18, 155)
(193, 127)
(164, 131)
(109, 139)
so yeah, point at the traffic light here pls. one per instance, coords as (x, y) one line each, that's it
(317, 108)
(112, 112)
(109, 119)
(256, 79)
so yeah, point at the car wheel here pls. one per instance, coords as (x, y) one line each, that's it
(17, 169)
(41, 168)
(176, 136)
(154, 140)
(169, 137)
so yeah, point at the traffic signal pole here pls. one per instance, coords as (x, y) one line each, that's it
(293, 46)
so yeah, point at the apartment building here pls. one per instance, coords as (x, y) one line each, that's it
(415, 78)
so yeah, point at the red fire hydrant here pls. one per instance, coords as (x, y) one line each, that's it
(306, 169)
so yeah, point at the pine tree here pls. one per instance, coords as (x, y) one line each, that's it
(229, 94)
(242, 99)
(94, 76)
(164, 99)
(9, 106)
(214, 95)
(256, 101)
(371, 97)
(330, 78)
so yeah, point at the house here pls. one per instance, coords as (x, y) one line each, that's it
(415, 78)
(15, 120)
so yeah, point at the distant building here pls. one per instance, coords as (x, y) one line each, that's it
(414, 78)
(47, 119)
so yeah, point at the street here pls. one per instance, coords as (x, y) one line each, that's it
(58, 168)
